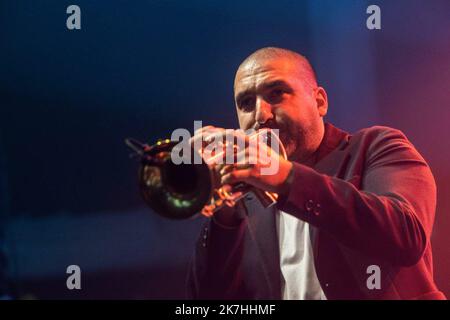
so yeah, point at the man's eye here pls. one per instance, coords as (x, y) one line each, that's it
(276, 94)
(247, 104)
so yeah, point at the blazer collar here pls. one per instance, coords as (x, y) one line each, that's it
(262, 222)
(333, 138)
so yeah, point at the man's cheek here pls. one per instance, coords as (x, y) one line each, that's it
(290, 148)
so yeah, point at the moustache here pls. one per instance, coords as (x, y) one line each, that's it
(273, 125)
(270, 124)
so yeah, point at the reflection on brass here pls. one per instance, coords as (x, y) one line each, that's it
(185, 190)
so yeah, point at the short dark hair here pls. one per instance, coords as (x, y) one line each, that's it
(306, 70)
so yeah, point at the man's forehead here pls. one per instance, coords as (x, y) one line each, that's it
(260, 70)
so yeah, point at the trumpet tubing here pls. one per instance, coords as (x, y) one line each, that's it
(181, 191)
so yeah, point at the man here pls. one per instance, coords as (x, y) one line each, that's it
(354, 215)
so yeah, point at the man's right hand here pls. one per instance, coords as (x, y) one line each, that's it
(226, 216)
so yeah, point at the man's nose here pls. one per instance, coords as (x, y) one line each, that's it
(263, 111)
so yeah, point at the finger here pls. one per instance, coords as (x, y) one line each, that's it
(230, 190)
(198, 136)
(214, 135)
(205, 131)
(256, 155)
(240, 134)
(243, 175)
(195, 138)
(202, 129)
(205, 135)
(248, 155)
(231, 167)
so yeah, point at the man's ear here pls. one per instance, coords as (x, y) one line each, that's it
(321, 100)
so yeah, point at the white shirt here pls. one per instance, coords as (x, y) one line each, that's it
(299, 279)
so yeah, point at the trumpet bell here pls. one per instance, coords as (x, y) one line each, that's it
(181, 191)
(175, 191)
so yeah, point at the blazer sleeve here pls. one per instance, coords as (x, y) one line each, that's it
(214, 269)
(389, 217)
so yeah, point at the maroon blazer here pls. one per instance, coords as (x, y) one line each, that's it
(372, 198)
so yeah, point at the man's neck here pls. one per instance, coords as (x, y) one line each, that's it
(309, 158)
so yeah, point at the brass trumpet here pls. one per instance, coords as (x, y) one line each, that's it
(181, 191)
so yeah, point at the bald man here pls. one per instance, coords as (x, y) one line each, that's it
(355, 211)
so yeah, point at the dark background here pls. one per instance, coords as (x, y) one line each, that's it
(68, 99)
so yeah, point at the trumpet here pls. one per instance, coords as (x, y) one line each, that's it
(185, 190)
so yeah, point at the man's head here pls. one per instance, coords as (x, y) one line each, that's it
(277, 88)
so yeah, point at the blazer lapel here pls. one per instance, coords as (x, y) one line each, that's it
(331, 151)
(262, 221)
(263, 232)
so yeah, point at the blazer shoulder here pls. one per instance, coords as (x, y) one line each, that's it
(379, 131)
(379, 136)
(380, 140)
(384, 142)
